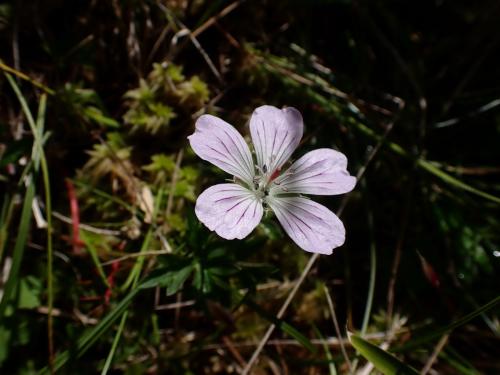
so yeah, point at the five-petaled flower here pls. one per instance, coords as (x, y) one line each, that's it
(233, 210)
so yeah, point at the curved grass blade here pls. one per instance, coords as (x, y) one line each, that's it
(38, 157)
(17, 73)
(383, 361)
(434, 333)
(430, 167)
(325, 102)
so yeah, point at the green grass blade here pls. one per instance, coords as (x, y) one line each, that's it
(455, 360)
(284, 326)
(455, 182)
(116, 340)
(134, 279)
(438, 332)
(37, 145)
(38, 157)
(48, 207)
(8, 69)
(373, 270)
(331, 364)
(5, 220)
(134, 275)
(327, 103)
(89, 338)
(95, 258)
(383, 361)
(17, 256)
(105, 195)
(429, 166)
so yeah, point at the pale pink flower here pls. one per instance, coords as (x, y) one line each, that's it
(233, 210)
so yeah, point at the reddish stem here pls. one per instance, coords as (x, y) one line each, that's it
(75, 217)
(115, 266)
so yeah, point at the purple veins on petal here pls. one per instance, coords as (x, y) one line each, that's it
(319, 172)
(216, 141)
(233, 210)
(276, 134)
(230, 210)
(311, 226)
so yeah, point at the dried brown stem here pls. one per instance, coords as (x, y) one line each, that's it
(336, 325)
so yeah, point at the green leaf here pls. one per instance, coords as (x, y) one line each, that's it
(29, 292)
(176, 279)
(96, 115)
(383, 361)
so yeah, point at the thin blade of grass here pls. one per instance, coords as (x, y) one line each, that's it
(116, 340)
(48, 207)
(331, 307)
(331, 364)
(17, 73)
(38, 157)
(88, 339)
(383, 361)
(134, 278)
(313, 92)
(458, 362)
(438, 332)
(19, 246)
(5, 220)
(105, 195)
(281, 324)
(95, 258)
(373, 272)
(430, 167)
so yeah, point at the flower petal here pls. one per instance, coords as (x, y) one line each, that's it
(310, 225)
(216, 141)
(320, 172)
(231, 210)
(276, 134)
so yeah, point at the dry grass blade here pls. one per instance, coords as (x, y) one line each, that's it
(336, 325)
(439, 346)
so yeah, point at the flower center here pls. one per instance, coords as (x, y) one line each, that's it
(262, 182)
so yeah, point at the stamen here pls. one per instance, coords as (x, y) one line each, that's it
(284, 176)
(275, 174)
